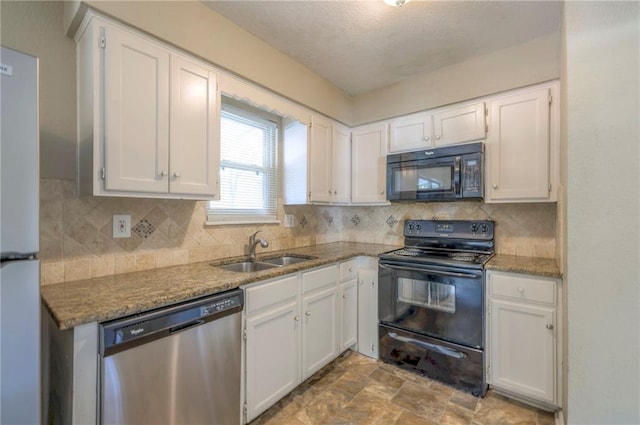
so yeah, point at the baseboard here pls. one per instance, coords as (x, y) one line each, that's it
(559, 418)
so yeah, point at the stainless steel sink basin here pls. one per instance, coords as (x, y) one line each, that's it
(286, 260)
(247, 266)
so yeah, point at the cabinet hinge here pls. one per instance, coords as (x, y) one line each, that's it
(549, 187)
(486, 128)
(103, 173)
(550, 98)
(244, 409)
(244, 334)
(103, 42)
(373, 348)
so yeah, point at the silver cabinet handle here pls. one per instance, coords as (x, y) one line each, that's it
(521, 290)
(437, 137)
(163, 173)
(176, 174)
(344, 296)
(549, 326)
(382, 192)
(425, 138)
(494, 186)
(308, 314)
(296, 318)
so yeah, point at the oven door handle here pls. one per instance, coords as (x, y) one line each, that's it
(432, 347)
(440, 272)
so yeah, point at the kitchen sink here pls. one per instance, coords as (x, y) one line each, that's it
(248, 266)
(286, 260)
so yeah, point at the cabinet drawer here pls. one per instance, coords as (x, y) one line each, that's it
(521, 287)
(267, 294)
(316, 279)
(348, 270)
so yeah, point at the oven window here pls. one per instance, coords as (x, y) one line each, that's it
(433, 295)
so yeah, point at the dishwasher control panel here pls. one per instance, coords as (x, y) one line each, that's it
(220, 305)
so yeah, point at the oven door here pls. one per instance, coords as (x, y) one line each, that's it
(436, 301)
(429, 179)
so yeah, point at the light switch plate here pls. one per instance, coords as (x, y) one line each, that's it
(122, 226)
(289, 220)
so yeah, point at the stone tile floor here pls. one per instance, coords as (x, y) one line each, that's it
(357, 390)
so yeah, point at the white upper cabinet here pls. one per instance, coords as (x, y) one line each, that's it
(194, 135)
(136, 114)
(410, 132)
(438, 127)
(341, 160)
(147, 118)
(459, 124)
(320, 161)
(369, 162)
(521, 148)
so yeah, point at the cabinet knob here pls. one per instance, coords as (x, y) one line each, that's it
(344, 296)
(350, 269)
(494, 186)
(296, 318)
(329, 192)
(425, 138)
(549, 326)
(382, 192)
(164, 173)
(176, 174)
(521, 290)
(437, 137)
(335, 192)
(308, 314)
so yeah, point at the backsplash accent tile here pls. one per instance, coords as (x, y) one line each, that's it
(76, 233)
(143, 229)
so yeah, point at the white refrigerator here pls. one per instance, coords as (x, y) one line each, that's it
(19, 243)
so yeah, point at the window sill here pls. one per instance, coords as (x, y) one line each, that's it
(226, 223)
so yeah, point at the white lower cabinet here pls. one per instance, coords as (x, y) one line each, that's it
(348, 314)
(319, 330)
(368, 311)
(523, 337)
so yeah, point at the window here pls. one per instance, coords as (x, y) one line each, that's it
(248, 166)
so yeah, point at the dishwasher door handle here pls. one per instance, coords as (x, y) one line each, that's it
(185, 326)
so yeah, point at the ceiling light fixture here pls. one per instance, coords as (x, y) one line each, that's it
(396, 3)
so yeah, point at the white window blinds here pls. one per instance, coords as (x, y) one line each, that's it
(248, 166)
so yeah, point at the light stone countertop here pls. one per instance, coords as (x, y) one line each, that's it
(530, 265)
(111, 297)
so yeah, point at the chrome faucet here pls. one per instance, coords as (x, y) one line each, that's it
(253, 243)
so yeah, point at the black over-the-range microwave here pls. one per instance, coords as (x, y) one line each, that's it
(441, 174)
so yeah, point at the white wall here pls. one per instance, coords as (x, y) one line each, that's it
(603, 204)
(196, 28)
(528, 63)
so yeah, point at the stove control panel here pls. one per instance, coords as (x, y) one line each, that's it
(454, 229)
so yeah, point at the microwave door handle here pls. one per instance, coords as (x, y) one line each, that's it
(440, 272)
(432, 347)
(456, 177)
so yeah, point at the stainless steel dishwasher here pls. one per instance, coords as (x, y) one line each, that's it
(175, 365)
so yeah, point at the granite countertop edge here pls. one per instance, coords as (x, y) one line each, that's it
(111, 297)
(546, 267)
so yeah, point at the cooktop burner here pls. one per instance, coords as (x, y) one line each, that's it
(454, 242)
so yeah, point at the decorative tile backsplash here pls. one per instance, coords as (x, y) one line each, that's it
(76, 233)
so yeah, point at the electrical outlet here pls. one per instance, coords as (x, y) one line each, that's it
(289, 220)
(121, 226)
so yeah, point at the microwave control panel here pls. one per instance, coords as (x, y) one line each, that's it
(472, 176)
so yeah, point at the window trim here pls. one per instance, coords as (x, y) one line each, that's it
(215, 217)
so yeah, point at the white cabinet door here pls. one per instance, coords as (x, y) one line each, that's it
(319, 330)
(369, 161)
(320, 167)
(136, 113)
(410, 132)
(518, 147)
(272, 353)
(348, 314)
(368, 312)
(523, 347)
(194, 149)
(341, 160)
(459, 125)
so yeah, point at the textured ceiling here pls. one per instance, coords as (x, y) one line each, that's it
(363, 45)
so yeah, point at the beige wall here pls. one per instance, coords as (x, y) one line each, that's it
(532, 62)
(36, 28)
(197, 29)
(603, 207)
